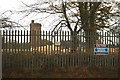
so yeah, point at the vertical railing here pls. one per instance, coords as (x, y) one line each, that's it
(18, 47)
(33, 61)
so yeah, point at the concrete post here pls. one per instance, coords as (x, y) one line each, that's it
(0, 54)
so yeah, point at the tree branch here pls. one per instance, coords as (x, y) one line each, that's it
(65, 15)
(75, 29)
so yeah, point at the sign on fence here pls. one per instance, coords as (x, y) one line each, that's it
(101, 49)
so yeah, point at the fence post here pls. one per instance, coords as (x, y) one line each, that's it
(0, 55)
(119, 50)
(119, 42)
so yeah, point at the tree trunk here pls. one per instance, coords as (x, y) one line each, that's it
(74, 40)
(90, 36)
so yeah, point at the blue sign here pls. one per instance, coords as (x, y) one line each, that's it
(101, 49)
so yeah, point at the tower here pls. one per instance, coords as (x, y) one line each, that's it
(35, 34)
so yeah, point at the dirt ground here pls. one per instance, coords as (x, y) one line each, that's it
(83, 72)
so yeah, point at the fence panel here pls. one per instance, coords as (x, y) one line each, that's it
(19, 53)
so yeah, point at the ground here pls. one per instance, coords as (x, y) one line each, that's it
(83, 72)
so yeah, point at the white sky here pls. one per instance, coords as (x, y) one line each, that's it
(16, 5)
(12, 4)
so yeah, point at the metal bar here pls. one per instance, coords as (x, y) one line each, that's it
(15, 45)
(94, 37)
(60, 44)
(8, 55)
(12, 43)
(105, 37)
(89, 42)
(18, 48)
(105, 61)
(69, 41)
(24, 50)
(30, 51)
(64, 45)
(27, 44)
(102, 37)
(5, 46)
(43, 43)
(119, 46)
(57, 41)
(21, 51)
(12, 54)
(66, 52)
(27, 49)
(49, 51)
(47, 43)
(65, 42)
(54, 42)
(6, 41)
(24, 43)
(62, 34)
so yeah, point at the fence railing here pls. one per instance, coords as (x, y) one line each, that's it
(39, 62)
(42, 50)
(58, 42)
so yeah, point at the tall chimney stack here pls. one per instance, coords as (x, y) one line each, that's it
(35, 29)
(32, 21)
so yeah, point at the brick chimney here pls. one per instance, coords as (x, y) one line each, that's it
(35, 30)
(32, 21)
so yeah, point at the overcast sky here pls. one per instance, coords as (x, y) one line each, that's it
(13, 4)
(17, 4)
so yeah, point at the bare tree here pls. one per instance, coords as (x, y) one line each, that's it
(6, 22)
(87, 16)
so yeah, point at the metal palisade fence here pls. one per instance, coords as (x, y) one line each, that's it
(35, 51)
